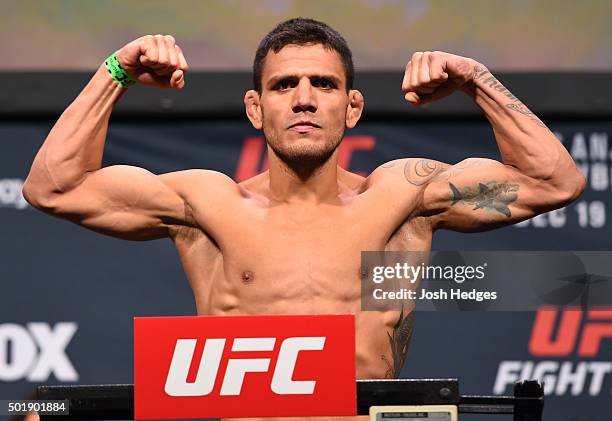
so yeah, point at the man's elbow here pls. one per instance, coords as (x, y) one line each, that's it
(38, 197)
(570, 187)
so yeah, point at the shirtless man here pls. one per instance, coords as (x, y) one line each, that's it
(288, 241)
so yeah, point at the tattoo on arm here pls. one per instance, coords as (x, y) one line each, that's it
(419, 172)
(491, 196)
(520, 108)
(399, 342)
(481, 73)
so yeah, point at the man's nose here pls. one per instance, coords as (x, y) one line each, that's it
(304, 97)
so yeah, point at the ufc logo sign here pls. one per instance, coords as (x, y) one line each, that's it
(282, 383)
(244, 366)
(544, 341)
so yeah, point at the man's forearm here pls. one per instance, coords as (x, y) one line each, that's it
(75, 144)
(523, 139)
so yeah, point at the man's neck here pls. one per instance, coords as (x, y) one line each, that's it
(305, 185)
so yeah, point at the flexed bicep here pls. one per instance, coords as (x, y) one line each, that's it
(479, 194)
(122, 201)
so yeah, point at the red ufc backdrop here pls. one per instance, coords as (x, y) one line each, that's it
(255, 366)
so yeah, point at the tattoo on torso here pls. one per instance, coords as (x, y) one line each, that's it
(399, 340)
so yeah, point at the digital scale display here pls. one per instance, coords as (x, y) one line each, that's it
(414, 413)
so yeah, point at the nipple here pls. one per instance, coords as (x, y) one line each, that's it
(247, 277)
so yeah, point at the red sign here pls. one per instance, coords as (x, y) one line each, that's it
(244, 366)
(596, 327)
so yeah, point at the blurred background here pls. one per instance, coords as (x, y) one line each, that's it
(63, 285)
(223, 34)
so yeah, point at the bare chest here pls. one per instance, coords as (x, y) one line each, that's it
(293, 256)
(290, 260)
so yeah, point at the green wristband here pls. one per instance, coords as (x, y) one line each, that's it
(117, 72)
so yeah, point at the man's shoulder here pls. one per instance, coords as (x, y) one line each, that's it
(414, 171)
(197, 181)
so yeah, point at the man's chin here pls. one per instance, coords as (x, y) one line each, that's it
(304, 155)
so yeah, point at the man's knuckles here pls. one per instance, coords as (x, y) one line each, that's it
(159, 50)
(416, 56)
(424, 84)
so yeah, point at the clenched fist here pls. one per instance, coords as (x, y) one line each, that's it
(154, 60)
(433, 75)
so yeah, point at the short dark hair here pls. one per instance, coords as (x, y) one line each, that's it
(302, 31)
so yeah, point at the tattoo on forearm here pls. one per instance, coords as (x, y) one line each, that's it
(421, 171)
(520, 108)
(399, 342)
(481, 73)
(491, 196)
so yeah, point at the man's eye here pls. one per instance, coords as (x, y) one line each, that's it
(324, 83)
(284, 84)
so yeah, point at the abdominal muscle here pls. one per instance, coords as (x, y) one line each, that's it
(373, 356)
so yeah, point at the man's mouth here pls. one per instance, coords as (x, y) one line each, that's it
(304, 126)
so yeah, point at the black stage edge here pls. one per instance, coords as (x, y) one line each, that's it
(213, 95)
(116, 402)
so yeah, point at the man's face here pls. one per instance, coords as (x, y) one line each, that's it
(303, 102)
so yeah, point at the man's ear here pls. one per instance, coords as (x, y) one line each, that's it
(354, 108)
(253, 108)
